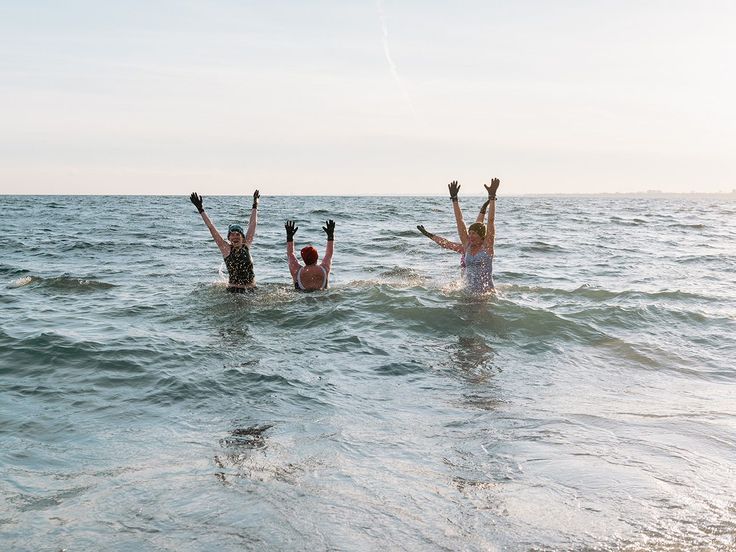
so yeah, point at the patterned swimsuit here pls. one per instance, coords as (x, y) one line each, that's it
(479, 271)
(240, 267)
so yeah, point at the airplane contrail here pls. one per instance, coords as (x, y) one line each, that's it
(391, 64)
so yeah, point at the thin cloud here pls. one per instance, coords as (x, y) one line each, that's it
(391, 64)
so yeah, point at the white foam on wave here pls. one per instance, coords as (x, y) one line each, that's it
(20, 282)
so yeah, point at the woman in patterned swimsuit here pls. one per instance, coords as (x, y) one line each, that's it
(235, 251)
(476, 242)
(447, 244)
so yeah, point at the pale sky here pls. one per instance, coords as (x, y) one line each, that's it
(366, 97)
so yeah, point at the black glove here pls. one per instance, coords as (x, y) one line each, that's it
(424, 231)
(329, 229)
(256, 196)
(197, 200)
(454, 188)
(492, 188)
(290, 230)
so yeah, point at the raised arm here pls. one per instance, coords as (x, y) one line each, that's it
(221, 243)
(294, 264)
(253, 222)
(489, 242)
(482, 213)
(442, 242)
(462, 232)
(329, 229)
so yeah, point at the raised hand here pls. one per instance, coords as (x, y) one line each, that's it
(484, 206)
(197, 200)
(256, 197)
(291, 229)
(492, 188)
(329, 229)
(423, 230)
(454, 188)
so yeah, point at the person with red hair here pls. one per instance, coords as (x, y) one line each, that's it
(310, 276)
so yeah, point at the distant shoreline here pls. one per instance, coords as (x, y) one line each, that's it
(664, 195)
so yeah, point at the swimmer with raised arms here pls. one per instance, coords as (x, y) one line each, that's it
(447, 244)
(476, 242)
(235, 251)
(310, 276)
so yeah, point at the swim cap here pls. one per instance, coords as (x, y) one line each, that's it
(235, 228)
(479, 228)
(310, 255)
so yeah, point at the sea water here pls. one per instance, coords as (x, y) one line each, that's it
(590, 404)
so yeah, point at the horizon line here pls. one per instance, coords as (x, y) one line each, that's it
(651, 193)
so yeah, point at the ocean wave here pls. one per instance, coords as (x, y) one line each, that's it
(408, 233)
(628, 222)
(694, 226)
(20, 282)
(53, 351)
(63, 283)
(11, 271)
(452, 311)
(80, 245)
(713, 258)
(400, 368)
(398, 242)
(600, 294)
(173, 388)
(406, 275)
(633, 316)
(527, 324)
(542, 247)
